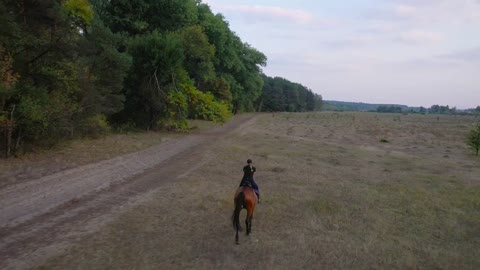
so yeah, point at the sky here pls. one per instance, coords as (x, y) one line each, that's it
(412, 52)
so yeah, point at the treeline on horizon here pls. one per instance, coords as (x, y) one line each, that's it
(434, 109)
(392, 108)
(280, 94)
(77, 67)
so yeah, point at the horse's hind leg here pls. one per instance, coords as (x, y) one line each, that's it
(248, 223)
(236, 237)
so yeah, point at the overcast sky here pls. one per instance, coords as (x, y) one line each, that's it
(413, 52)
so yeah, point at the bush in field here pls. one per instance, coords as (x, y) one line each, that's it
(473, 139)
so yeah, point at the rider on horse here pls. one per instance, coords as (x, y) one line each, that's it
(247, 180)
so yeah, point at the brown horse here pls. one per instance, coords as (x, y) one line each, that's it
(245, 197)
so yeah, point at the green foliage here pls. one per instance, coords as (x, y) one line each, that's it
(282, 95)
(68, 67)
(96, 125)
(177, 105)
(204, 106)
(199, 54)
(171, 15)
(473, 139)
(389, 109)
(177, 112)
(46, 116)
(438, 109)
(332, 105)
(106, 69)
(156, 70)
(80, 9)
(8, 78)
(138, 17)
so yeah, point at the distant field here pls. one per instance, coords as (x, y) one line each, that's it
(334, 197)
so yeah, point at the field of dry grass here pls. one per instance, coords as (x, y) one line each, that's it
(333, 197)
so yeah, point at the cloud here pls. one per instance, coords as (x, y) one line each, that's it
(426, 14)
(430, 11)
(466, 56)
(259, 12)
(466, 61)
(420, 37)
(405, 11)
(354, 41)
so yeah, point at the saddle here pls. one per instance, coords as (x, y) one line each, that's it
(246, 183)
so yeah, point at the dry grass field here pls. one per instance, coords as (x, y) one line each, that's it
(334, 197)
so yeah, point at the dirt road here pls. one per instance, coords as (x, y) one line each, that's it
(39, 218)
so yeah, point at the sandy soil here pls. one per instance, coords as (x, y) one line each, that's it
(40, 217)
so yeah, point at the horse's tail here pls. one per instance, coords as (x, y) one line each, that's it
(239, 203)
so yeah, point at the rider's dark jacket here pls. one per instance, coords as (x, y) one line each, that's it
(248, 172)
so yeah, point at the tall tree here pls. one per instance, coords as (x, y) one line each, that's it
(199, 55)
(106, 70)
(156, 70)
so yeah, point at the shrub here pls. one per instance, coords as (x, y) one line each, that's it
(96, 125)
(173, 124)
(205, 106)
(473, 139)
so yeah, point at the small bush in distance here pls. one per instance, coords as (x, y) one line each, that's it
(473, 139)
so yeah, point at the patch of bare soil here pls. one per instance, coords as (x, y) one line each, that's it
(40, 217)
(71, 154)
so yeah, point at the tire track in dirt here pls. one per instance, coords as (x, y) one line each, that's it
(42, 217)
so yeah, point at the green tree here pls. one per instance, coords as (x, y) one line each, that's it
(318, 102)
(42, 39)
(199, 56)
(310, 100)
(237, 64)
(280, 94)
(156, 70)
(137, 17)
(105, 70)
(8, 77)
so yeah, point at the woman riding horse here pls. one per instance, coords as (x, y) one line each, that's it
(246, 197)
(247, 179)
